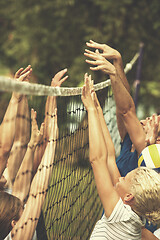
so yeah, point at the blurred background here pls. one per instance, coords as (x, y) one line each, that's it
(51, 35)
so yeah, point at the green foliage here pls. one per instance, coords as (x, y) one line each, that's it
(51, 35)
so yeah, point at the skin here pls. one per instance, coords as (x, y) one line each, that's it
(125, 112)
(99, 155)
(39, 184)
(22, 181)
(8, 125)
(110, 185)
(51, 104)
(22, 132)
(125, 109)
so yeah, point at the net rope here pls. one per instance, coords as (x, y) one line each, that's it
(11, 85)
(72, 205)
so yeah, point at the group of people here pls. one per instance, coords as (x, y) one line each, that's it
(129, 186)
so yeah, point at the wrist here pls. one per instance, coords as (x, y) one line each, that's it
(117, 59)
(16, 97)
(91, 109)
(31, 146)
(99, 109)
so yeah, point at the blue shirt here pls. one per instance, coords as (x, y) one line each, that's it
(127, 160)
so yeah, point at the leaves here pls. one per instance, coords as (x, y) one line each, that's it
(51, 35)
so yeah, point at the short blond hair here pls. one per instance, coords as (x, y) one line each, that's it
(146, 191)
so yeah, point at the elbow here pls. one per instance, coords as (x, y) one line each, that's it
(127, 111)
(5, 151)
(98, 160)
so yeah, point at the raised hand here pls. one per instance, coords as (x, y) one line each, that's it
(107, 51)
(57, 80)
(36, 135)
(21, 76)
(99, 62)
(21, 72)
(86, 93)
(151, 129)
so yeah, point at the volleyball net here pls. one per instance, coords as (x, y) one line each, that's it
(72, 205)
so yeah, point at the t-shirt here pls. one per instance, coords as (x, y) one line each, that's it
(127, 160)
(123, 224)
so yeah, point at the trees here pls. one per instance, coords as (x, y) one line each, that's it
(51, 35)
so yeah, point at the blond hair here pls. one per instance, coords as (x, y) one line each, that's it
(10, 207)
(146, 191)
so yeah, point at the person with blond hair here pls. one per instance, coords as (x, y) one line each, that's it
(128, 200)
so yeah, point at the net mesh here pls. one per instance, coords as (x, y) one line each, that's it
(72, 205)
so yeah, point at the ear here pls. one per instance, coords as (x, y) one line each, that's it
(128, 198)
(13, 223)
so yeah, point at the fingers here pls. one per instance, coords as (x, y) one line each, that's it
(42, 129)
(94, 55)
(92, 62)
(93, 44)
(25, 75)
(33, 114)
(34, 120)
(56, 80)
(26, 69)
(22, 71)
(63, 80)
(100, 67)
(18, 73)
(83, 91)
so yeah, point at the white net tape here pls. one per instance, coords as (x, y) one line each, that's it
(8, 84)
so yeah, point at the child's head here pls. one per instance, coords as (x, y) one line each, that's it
(141, 190)
(10, 212)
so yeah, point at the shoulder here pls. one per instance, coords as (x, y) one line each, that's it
(123, 223)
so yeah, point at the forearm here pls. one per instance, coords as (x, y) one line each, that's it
(8, 126)
(24, 176)
(126, 109)
(30, 216)
(118, 63)
(112, 167)
(123, 99)
(147, 235)
(106, 133)
(22, 133)
(98, 159)
(7, 132)
(97, 146)
(44, 171)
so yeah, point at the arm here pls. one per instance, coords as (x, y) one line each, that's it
(98, 153)
(112, 167)
(8, 126)
(112, 54)
(38, 189)
(124, 102)
(49, 109)
(147, 235)
(126, 108)
(22, 131)
(24, 176)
